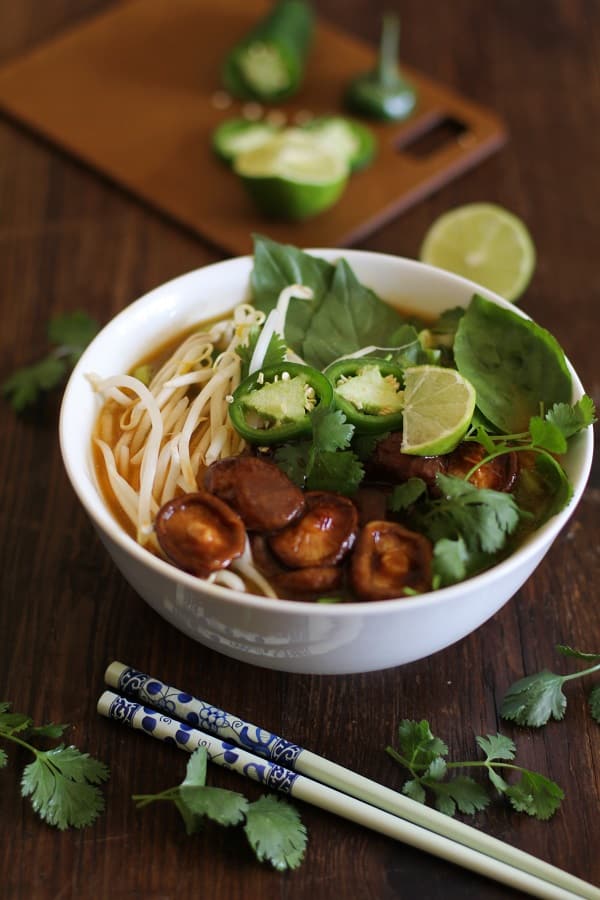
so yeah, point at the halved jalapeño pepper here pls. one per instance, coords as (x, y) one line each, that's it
(369, 392)
(273, 405)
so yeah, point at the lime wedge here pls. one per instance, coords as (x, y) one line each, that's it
(236, 136)
(484, 243)
(438, 407)
(292, 175)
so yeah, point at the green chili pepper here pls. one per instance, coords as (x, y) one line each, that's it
(383, 93)
(273, 405)
(368, 391)
(268, 63)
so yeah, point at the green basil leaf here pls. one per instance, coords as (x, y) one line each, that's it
(513, 364)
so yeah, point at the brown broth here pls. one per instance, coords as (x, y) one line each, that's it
(530, 496)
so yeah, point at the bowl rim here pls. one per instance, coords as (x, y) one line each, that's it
(96, 508)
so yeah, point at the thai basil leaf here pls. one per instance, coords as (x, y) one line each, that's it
(277, 266)
(349, 317)
(513, 364)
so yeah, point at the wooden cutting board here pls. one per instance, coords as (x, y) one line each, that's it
(130, 92)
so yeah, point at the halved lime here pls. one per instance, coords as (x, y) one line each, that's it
(292, 175)
(234, 136)
(438, 408)
(485, 243)
(354, 141)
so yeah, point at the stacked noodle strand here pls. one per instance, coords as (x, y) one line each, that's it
(168, 432)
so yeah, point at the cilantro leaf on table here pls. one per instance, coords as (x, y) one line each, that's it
(24, 387)
(424, 756)
(71, 333)
(61, 782)
(51, 730)
(566, 650)
(535, 795)
(222, 806)
(275, 832)
(536, 699)
(497, 746)
(273, 828)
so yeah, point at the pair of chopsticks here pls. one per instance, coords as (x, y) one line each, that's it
(172, 715)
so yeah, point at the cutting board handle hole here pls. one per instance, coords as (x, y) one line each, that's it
(437, 133)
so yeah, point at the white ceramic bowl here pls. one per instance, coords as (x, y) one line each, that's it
(285, 635)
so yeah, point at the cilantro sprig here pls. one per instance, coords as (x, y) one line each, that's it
(275, 353)
(547, 436)
(62, 782)
(70, 333)
(325, 463)
(536, 699)
(272, 826)
(424, 756)
(466, 524)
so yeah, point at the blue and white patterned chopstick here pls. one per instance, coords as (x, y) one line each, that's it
(200, 714)
(175, 703)
(223, 753)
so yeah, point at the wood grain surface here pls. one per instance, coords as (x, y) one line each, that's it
(69, 240)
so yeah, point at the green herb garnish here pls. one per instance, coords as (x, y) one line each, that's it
(326, 463)
(275, 353)
(536, 699)
(342, 317)
(61, 781)
(273, 827)
(513, 364)
(424, 756)
(70, 333)
(547, 437)
(466, 524)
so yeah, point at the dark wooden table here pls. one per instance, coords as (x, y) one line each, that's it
(69, 240)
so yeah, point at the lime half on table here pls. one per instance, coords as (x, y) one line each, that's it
(235, 136)
(485, 243)
(350, 139)
(292, 175)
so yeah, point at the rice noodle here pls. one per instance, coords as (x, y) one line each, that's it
(166, 433)
(245, 566)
